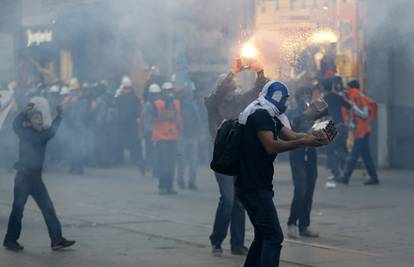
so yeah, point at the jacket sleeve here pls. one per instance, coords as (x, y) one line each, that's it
(361, 112)
(245, 99)
(51, 132)
(18, 124)
(213, 115)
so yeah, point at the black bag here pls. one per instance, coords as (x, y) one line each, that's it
(227, 148)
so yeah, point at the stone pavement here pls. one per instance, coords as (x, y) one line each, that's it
(118, 219)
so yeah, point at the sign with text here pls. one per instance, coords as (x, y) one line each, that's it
(38, 37)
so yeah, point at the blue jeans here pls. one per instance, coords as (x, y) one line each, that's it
(187, 154)
(361, 148)
(268, 235)
(26, 185)
(229, 212)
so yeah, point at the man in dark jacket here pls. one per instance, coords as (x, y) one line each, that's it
(303, 163)
(222, 104)
(129, 110)
(33, 138)
(336, 151)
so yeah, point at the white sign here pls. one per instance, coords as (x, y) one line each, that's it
(36, 38)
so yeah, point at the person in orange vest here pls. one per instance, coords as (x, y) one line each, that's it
(166, 132)
(362, 115)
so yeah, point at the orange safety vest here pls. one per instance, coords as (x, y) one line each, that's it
(362, 126)
(166, 125)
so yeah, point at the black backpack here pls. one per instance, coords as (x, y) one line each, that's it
(227, 148)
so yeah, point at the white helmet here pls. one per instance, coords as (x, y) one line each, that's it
(154, 88)
(126, 82)
(167, 86)
(65, 90)
(54, 89)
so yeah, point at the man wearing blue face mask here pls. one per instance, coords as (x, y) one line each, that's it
(266, 132)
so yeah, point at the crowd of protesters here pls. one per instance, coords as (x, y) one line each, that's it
(160, 132)
(107, 125)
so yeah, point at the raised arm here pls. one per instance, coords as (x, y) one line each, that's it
(261, 79)
(18, 126)
(18, 123)
(51, 132)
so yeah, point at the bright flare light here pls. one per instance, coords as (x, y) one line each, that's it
(249, 51)
(324, 37)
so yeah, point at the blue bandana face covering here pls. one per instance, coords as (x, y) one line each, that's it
(277, 94)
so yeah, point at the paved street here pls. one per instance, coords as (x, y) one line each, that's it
(118, 219)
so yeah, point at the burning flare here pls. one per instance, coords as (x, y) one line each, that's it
(249, 51)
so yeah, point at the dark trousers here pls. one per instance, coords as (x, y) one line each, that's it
(337, 151)
(128, 139)
(150, 155)
(303, 163)
(230, 212)
(103, 149)
(166, 158)
(26, 185)
(361, 148)
(268, 235)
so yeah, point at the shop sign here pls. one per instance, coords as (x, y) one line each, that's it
(38, 37)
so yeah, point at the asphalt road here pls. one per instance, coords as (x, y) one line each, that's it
(118, 219)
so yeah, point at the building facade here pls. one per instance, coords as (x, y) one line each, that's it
(389, 78)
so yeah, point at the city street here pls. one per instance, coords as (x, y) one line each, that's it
(118, 219)
(96, 91)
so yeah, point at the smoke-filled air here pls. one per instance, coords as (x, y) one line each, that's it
(171, 133)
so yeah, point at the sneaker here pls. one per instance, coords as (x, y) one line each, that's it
(13, 245)
(192, 187)
(217, 251)
(240, 251)
(62, 243)
(308, 233)
(371, 182)
(330, 185)
(292, 231)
